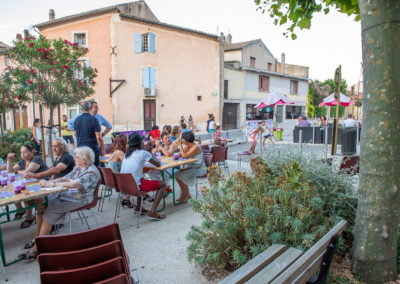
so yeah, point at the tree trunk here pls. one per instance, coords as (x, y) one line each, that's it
(377, 221)
(51, 134)
(2, 126)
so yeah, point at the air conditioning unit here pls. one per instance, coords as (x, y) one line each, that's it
(149, 92)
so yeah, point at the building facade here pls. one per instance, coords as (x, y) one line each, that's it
(251, 72)
(149, 72)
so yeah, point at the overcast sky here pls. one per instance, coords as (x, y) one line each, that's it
(333, 39)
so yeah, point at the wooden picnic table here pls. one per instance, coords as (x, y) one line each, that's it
(25, 195)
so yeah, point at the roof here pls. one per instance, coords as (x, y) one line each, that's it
(272, 73)
(238, 45)
(168, 26)
(120, 8)
(3, 47)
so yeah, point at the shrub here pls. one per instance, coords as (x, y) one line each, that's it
(281, 203)
(12, 142)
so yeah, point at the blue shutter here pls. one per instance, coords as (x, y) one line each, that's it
(146, 77)
(138, 43)
(152, 42)
(87, 62)
(152, 77)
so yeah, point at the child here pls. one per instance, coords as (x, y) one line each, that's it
(217, 133)
(269, 134)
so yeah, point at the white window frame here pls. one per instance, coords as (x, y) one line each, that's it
(80, 32)
(85, 59)
(143, 37)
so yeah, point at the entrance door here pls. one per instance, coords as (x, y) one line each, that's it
(229, 117)
(17, 119)
(149, 114)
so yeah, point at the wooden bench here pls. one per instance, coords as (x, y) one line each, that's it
(277, 264)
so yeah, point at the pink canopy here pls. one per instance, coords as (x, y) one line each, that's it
(273, 99)
(331, 101)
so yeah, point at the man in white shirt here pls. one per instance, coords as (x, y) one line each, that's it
(349, 122)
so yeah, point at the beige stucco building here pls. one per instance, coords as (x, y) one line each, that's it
(149, 72)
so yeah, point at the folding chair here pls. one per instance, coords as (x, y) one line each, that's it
(246, 153)
(119, 279)
(108, 148)
(108, 183)
(219, 156)
(350, 165)
(207, 160)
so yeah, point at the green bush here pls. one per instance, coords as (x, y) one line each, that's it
(12, 142)
(282, 202)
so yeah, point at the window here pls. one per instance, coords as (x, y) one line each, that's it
(148, 77)
(145, 42)
(199, 98)
(7, 61)
(252, 62)
(80, 39)
(269, 66)
(78, 74)
(263, 83)
(293, 112)
(225, 89)
(294, 86)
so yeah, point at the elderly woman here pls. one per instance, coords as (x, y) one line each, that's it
(28, 164)
(81, 184)
(187, 176)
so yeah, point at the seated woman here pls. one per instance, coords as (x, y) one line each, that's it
(176, 133)
(155, 132)
(81, 184)
(167, 128)
(118, 153)
(187, 176)
(166, 148)
(133, 163)
(28, 164)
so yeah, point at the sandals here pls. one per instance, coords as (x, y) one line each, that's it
(28, 255)
(185, 199)
(29, 245)
(19, 215)
(144, 211)
(26, 223)
(127, 202)
(156, 216)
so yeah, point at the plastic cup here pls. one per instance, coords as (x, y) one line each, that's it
(23, 184)
(11, 177)
(176, 156)
(4, 173)
(4, 181)
(17, 187)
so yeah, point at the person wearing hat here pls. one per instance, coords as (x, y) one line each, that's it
(134, 161)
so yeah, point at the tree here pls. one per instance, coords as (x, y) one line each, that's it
(53, 71)
(377, 221)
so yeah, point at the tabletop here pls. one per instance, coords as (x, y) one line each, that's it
(8, 197)
(169, 162)
(211, 141)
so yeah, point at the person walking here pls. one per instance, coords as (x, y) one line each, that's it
(88, 131)
(66, 133)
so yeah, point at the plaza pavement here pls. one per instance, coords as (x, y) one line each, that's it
(157, 249)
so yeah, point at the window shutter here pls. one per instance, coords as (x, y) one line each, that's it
(152, 42)
(138, 43)
(88, 62)
(152, 74)
(146, 77)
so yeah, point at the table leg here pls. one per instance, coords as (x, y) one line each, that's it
(173, 186)
(165, 194)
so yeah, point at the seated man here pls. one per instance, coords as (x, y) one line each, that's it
(133, 163)
(349, 122)
(303, 122)
(63, 164)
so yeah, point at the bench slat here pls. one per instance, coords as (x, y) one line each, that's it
(270, 272)
(254, 265)
(311, 270)
(308, 258)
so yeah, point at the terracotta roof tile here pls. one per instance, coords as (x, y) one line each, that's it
(238, 45)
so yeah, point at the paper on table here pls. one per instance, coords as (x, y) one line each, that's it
(49, 188)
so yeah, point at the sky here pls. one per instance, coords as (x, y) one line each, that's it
(333, 40)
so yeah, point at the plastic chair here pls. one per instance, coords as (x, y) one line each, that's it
(89, 274)
(86, 207)
(350, 165)
(220, 156)
(207, 160)
(119, 279)
(246, 153)
(109, 184)
(81, 258)
(108, 148)
(125, 184)
(206, 149)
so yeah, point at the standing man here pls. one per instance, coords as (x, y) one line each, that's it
(66, 132)
(94, 109)
(88, 131)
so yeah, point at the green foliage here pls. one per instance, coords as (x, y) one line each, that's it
(300, 13)
(11, 97)
(245, 215)
(12, 142)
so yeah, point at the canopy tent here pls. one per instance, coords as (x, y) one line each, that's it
(274, 98)
(331, 101)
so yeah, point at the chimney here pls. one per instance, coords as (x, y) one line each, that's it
(26, 33)
(229, 38)
(222, 37)
(52, 15)
(283, 63)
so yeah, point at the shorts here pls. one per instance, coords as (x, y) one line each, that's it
(212, 131)
(267, 136)
(69, 138)
(149, 185)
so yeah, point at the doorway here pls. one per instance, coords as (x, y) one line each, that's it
(17, 118)
(229, 117)
(149, 114)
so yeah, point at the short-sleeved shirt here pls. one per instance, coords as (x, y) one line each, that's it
(134, 164)
(2, 164)
(349, 122)
(304, 123)
(102, 121)
(86, 126)
(211, 125)
(65, 132)
(37, 160)
(67, 160)
(88, 178)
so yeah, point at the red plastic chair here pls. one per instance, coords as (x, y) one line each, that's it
(89, 274)
(125, 184)
(207, 160)
(247, 153)
(220, 156)
(86, 207)
(350, 165)
(119, 279)
(108, 148)
(109, 184)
